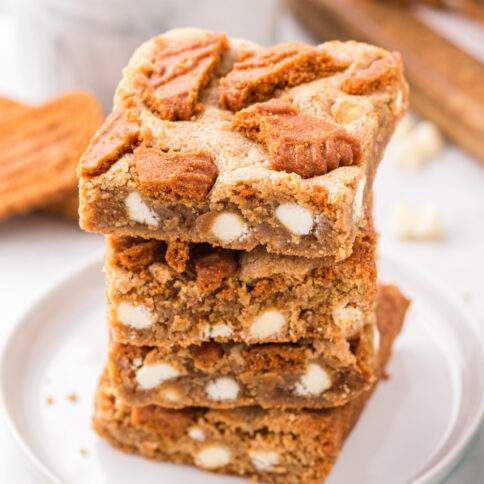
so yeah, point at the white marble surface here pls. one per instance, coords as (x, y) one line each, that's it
(37, 251)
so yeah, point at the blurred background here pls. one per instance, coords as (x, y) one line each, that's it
(429, 191)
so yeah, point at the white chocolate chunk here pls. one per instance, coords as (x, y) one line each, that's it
(196, 433)
(264, 460)
(428, 139)
(171, 394)
(139, 211)
(376, 339)
(213, 457)
(135, 315)
(150, 376)
(347, 110)
(358, 200)
(223, 388)
(269, 323)
(422, 223)
(418, 145)
(228, 227)
(296, 218)
(349, 319)
(220, 330)
(314, 382)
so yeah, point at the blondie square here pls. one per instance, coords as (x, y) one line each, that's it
(163, 294)
(272, 446)
(310, 373)
(220, 141)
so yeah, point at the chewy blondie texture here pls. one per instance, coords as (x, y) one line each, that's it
(220, 141)
(163, 294)
(314, 374)
(273, 446)
(39, 150)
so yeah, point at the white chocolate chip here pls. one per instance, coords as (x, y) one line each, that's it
(428, 139)
(376, 339)
(137, 362)
(349, 319)
(347, 110)
(314, 382)
(296, 218)
(139, 211)
(220, 330)
(223, 388)
(228, 227)
(414, 145)
(264, 460)
(196, 433)
(171, 394)
(358, 200)
(269, 323)
(423, 223)
(212, 457)
(150, 376)
(135, 315)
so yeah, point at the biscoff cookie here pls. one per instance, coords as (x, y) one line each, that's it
(272, 446)
(220, 141)
(39, 150)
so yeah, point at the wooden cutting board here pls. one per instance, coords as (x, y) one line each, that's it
(447, 84)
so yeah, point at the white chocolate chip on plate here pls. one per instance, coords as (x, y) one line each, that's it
(139, 211)
(268, 323)
(213, 457)
(314, 382)
(135, 315)
(228, 226)
(264, 460)
(423, 223)
(223, 388)
(150, 376)
(296, 218)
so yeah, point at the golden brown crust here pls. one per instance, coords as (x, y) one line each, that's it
(379, 74)
(212, 267)
(179, 72)
(119, 134)
(297, 142)
(175, 176)
(258, 76)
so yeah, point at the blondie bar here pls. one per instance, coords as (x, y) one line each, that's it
(314, 374)
(273, 446)
(162, 294)
(215, 140)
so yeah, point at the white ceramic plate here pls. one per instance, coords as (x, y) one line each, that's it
(415, 428)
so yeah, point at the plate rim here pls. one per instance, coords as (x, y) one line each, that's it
(439, 470)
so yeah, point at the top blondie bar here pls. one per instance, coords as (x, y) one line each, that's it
(222, 141)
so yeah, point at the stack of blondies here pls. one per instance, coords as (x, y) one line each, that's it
(234, 186)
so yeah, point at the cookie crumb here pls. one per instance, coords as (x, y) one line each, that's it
(84, 452)
(50, 400)
(73, 397)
